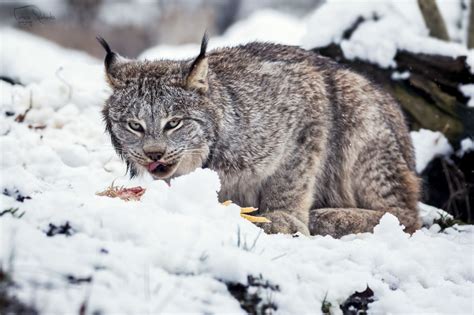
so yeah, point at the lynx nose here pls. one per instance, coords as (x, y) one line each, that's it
(154, 152)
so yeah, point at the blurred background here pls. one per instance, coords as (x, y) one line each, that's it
(134, 25)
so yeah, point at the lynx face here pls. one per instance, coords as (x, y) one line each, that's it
(158, 116)
(161, 131)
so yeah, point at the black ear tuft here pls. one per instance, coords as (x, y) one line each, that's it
(204, 41)
(104, 44)
(197, 76)
(113, 64)
(110, 54)
(202, 53)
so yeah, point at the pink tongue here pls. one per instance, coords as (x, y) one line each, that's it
(153, 166)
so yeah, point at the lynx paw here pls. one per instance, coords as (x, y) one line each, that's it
(282, 222)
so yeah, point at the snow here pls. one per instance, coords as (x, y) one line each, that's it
(456, 18)
(400, 75)
(21, 46)
(467, 145)
(429, 214)
(428, 145)
(173, 251)
(398, 26)
(323, 30)
(468, 91)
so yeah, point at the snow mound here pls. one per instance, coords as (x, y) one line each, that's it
(467, 145)
(429, 144)
(29, 58)
(468, 91)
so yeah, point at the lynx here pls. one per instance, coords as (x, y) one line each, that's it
(317, 148)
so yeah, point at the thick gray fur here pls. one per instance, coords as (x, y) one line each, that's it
(316, 147)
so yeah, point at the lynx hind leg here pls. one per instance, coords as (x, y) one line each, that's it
(338, 222)
(381, 182)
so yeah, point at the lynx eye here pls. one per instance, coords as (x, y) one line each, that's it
(173, 123)
(135, 126)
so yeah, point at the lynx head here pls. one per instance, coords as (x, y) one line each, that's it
(159, 116)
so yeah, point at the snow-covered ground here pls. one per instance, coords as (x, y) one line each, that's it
(175, 250)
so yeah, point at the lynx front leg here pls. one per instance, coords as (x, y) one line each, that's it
(286, 200)
(288, 194)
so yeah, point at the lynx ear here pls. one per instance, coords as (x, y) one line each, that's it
(113, 64)
(197, 76)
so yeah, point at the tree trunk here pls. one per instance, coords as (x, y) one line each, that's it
(433, 19)
(470, 27)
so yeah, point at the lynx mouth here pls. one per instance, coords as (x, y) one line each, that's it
(161, 170)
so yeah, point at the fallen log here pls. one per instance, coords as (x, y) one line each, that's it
(429, 95)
